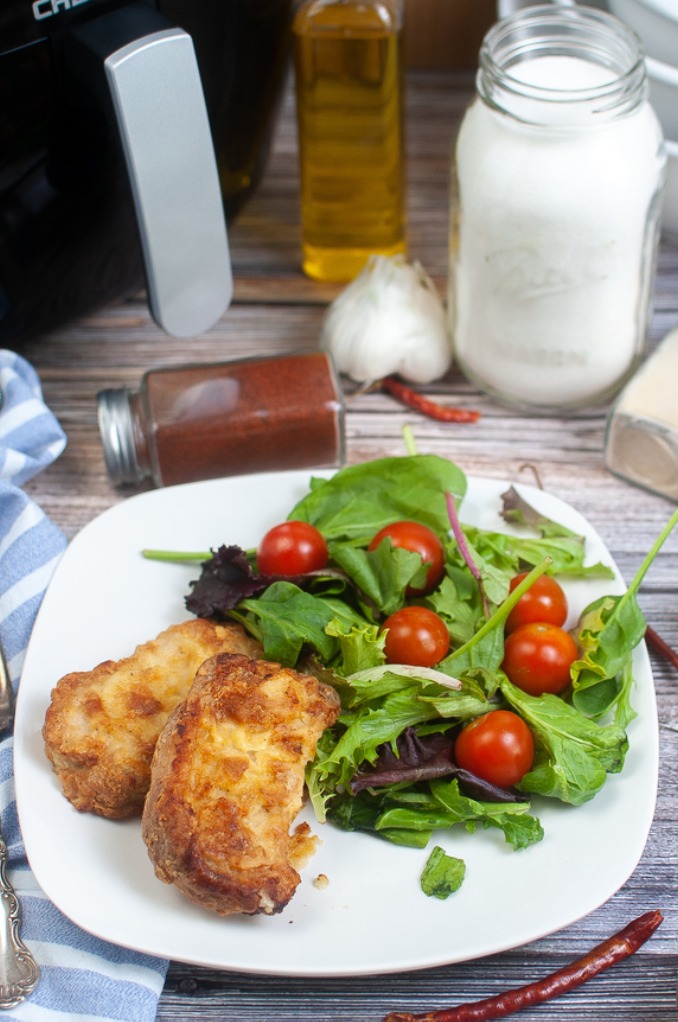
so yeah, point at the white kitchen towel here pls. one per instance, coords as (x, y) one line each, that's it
(83, 979)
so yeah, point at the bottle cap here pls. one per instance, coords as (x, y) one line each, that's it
(641, 441)
(117, 435)
(643, 452)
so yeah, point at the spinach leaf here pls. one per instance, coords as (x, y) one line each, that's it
(286, 619)
(361, 499)
(362, 812)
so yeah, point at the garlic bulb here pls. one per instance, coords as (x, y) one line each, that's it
(390, 319)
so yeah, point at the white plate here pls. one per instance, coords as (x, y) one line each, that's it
(372, 917)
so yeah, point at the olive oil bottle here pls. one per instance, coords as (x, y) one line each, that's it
(349, 93)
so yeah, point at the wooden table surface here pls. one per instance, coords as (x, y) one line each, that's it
(277, 310)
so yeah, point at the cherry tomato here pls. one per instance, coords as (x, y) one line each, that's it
(545, 600)
(292, 548)
(418, 539)
(537, 658)
(417, 636)
(498, 747)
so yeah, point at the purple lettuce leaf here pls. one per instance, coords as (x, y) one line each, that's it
(226, 579)
(424, 758)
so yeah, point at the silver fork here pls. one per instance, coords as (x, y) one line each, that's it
(19, 972)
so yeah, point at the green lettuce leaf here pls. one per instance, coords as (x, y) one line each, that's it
(442, 875)
(609, 630)
(286, 619)
(382, 575)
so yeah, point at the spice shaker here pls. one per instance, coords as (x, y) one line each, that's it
(195, 422)
(556, 190)
(349, 93)
(641, 440)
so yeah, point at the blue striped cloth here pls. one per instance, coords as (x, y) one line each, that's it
(82, 978)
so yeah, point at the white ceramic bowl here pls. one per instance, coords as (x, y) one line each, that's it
(663, 80)
(669, 220)
(655, 21)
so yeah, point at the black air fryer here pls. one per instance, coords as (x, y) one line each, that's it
(130, 133)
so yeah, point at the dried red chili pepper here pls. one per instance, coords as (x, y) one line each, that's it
(601, 957)
(656, 640)
(413, 399)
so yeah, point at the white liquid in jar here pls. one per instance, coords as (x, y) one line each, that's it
(553, 256)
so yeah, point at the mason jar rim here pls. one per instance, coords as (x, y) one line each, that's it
(551, 30)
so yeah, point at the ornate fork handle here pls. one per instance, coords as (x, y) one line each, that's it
(19, 972)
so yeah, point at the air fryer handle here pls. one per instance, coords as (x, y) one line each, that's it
(159, 107)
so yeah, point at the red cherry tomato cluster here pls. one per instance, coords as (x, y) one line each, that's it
(538, 652)
(498, 747)
(545, 600)
(415, 635)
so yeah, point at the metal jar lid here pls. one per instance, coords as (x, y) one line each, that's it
(117, 435)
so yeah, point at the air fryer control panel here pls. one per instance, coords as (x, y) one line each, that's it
(23, 22)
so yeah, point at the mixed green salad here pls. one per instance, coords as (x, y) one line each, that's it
(388, 766)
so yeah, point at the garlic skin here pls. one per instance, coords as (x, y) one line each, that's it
(388, 320)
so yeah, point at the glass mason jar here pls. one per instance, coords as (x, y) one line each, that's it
(556, 190)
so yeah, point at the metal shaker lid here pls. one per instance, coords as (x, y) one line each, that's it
(117, 435)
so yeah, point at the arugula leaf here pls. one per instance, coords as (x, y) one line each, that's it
(610, 629)
(484, 651)
(442, 875)
(563, 545)
(513, 818)
(574, 754)
(358, 501)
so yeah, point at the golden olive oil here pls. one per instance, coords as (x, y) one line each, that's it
(349, 91)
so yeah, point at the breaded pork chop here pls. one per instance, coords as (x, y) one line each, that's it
(227, 783)
(102, 725)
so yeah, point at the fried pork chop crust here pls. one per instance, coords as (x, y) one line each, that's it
(228, 780)
(102, 725)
